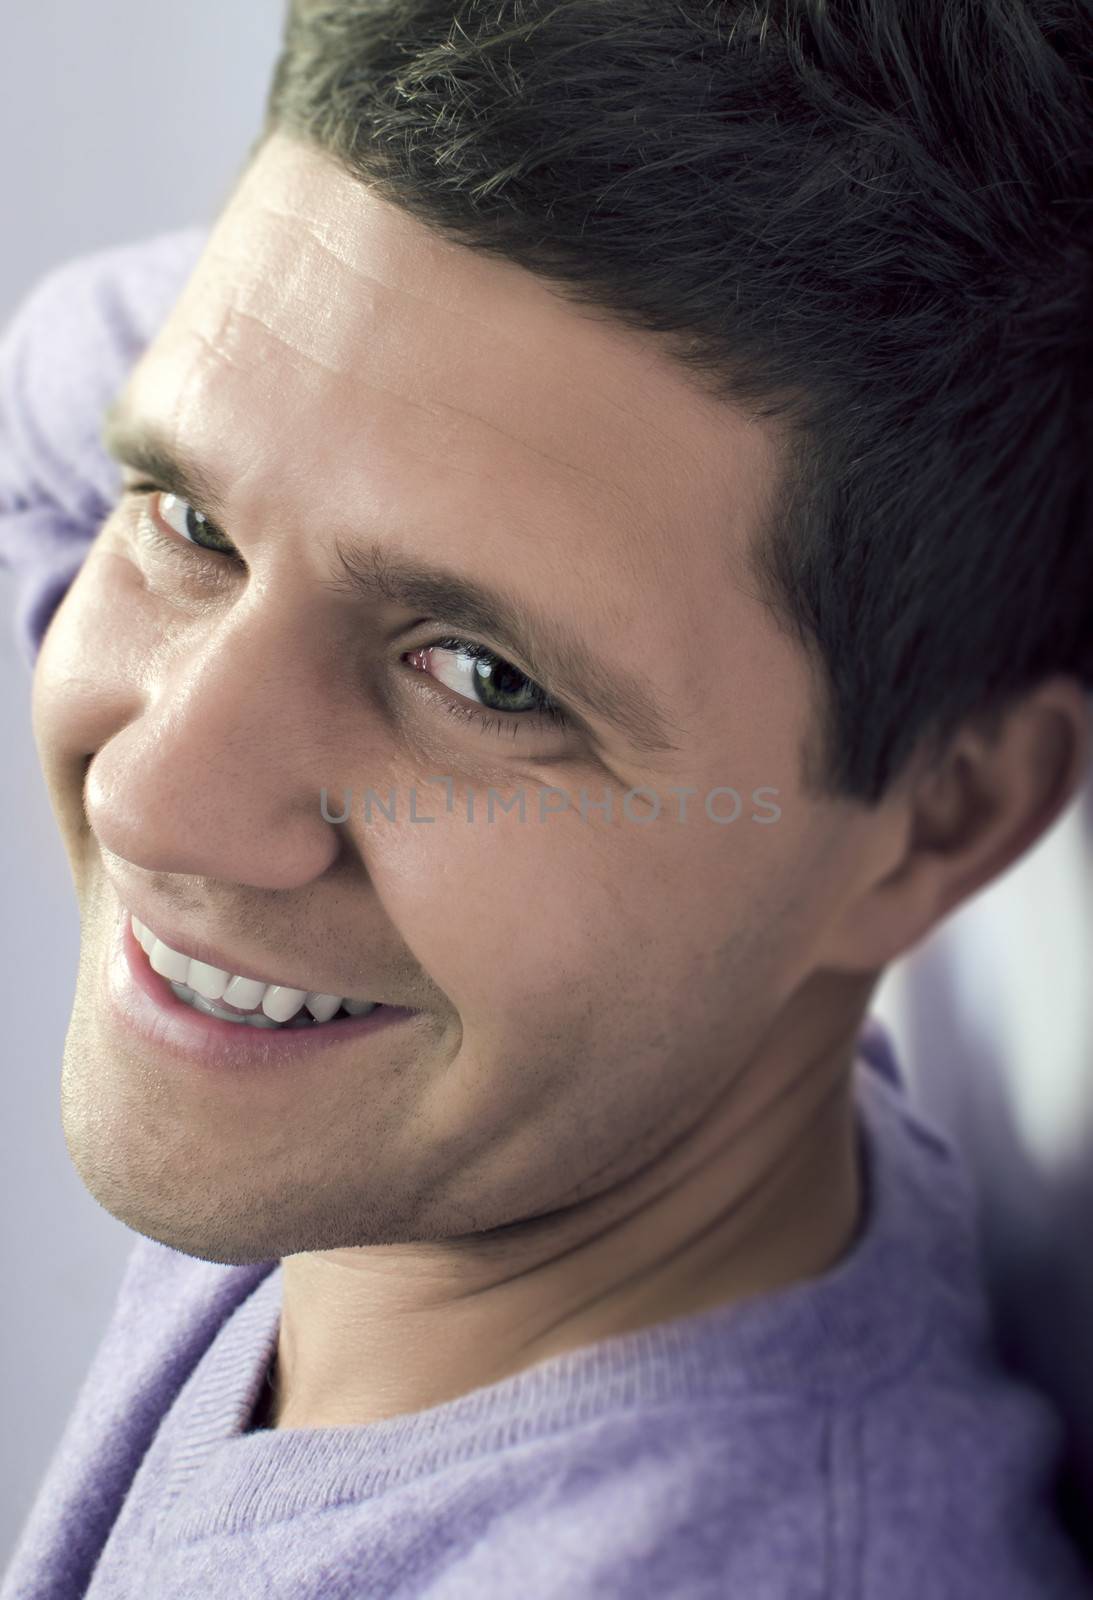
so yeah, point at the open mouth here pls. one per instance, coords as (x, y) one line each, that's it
(245, 1002)
(230, 1034)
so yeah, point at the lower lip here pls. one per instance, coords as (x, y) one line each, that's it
(144, 1002)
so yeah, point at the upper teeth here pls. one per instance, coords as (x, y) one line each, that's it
(277, 1000)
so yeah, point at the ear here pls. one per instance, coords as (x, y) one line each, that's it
(954, 822)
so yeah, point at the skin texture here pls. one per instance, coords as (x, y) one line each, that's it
(627, 1095)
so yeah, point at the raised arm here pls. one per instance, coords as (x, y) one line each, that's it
(64, 355)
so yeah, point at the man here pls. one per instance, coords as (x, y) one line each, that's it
(597, 572)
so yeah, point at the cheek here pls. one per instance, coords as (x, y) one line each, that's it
(506, 918)
(99, 646)
(564, 923)
(606, 981)
(85, 677)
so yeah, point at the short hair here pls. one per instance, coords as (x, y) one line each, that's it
(867, 221)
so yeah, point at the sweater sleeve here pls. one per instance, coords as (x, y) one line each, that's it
(65, 354)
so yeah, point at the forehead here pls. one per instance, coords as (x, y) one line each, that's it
(315, 301)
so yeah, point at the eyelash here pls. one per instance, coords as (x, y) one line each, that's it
(548, 710)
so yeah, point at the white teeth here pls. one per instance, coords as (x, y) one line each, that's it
(201, 985)
(246, 993)
(169, 963)
(199, 1004)
(209, 982)
(281, 1003)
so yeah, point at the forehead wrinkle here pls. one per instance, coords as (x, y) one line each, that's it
(222, 350)
(318, 231)
(285, 185)
(222, 347)
(510, 335)
(364, 276)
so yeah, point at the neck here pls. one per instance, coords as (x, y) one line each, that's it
(765, 1192)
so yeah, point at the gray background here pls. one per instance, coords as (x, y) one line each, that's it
(130, 117)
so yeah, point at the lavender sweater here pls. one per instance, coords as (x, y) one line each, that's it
(852, 1437)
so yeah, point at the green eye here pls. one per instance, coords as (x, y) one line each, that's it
(484, 681)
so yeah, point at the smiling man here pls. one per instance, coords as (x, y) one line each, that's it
(561, 587)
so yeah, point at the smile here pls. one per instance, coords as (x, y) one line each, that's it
(234, 998)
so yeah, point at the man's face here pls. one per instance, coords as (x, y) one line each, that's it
(585, 986)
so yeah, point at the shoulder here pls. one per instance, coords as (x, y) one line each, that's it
(952, 1462)
(856, 1436)
(956, 1480)
(891, 1498)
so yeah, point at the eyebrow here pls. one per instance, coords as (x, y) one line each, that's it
(566, 669)
(139, 445)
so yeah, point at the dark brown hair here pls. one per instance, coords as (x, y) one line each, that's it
(866, 219)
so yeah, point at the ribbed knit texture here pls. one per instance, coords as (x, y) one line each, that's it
(851, 1437)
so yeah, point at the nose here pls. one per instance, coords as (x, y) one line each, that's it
(218, 773)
